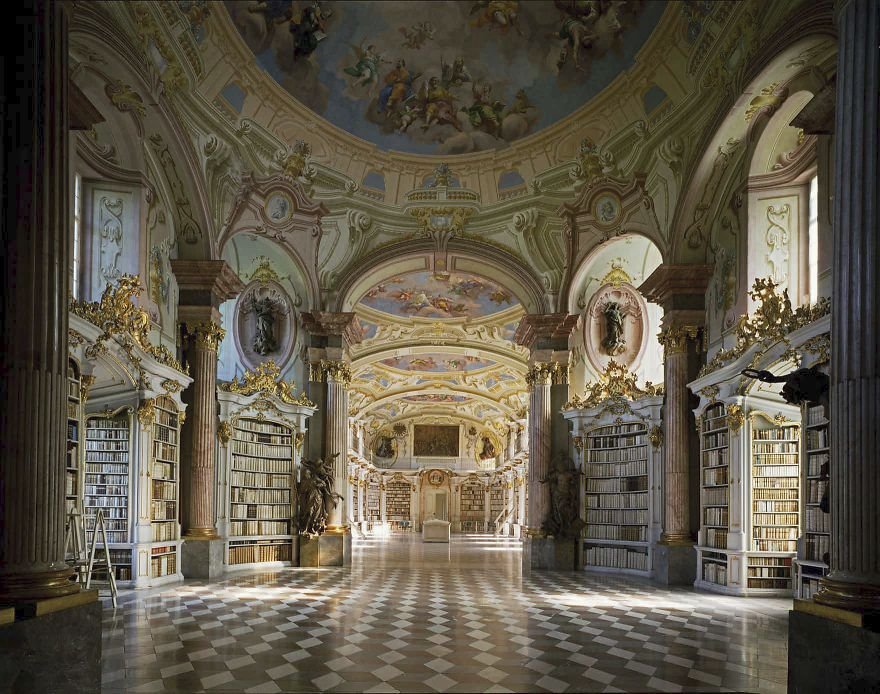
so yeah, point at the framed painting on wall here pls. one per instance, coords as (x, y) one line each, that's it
(435, 440)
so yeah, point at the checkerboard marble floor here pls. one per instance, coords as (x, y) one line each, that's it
(414, 617)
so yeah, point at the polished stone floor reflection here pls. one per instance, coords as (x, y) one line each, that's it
(414, 617)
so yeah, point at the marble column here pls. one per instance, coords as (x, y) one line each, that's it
(680, 290)
(54, 642)
(206, 338)
(34, 336)
(854, 579)
(834, 644)
(511, 441)
(546, 337)
(203, 286)
(337, 377)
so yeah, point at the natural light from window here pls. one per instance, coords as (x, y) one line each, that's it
(813, 236)
(77, 221)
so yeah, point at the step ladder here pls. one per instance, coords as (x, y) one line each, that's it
(85, 561)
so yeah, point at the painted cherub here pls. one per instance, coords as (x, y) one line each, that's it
(366, 69)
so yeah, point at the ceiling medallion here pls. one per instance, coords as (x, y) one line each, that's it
(607, 209)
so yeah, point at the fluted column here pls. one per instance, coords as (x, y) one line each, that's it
(539, 380)
(511, 441)
(337, 376)
(35, 296)
(677, 341)
(200, 516)
(854, 580)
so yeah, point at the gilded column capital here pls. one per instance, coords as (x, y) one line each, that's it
(330, 370)
(146, 413)
(675, 338)
(545, 373)
(208, 335)
(735, 417)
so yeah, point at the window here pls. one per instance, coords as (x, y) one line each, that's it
(77, 226)
(813, 240)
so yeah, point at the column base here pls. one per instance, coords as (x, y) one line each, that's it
(53, 648)
(674, 564)
(832, 650)
(202, 558)
(331, 549)
(549, 554)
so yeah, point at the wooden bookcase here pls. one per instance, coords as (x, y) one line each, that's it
(398, 502)
(131, 434)
(259, 453)
(714, 493)
(73, 478)
(621, 464)
(814, 549)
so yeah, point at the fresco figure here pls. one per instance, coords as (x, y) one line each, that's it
(398, 86)
(488, 451)
(308, 30)
(502, 14)
(484, 114)
(385, 448)
(454, 75)
(439, 105)
(417, 35)
(577, 29)
(367, 66)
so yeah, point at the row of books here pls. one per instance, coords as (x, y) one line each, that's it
(817, 438)
(165, 435)
(817, 547)
(275, 512)
(816, 490)
(165, 565)
(105, 501)
(616, 469)
(261, 427)
(770, 583)
(774, 466)
(101, 423)
(717, 440)
(162, 532)
(241, 462)
(817, 464)
(617, 501)
(715, 476)
(767, 572)
(163, 510)
(617, 484)
(615, 441)
(766, 531)
(816, 415)
(792, 482)
(261, 450)
(775, 545)
(619, 516)
(259, 527)
(107, 469)
(715, 573)
(165, 418)
(775, 506)
(256, 437)
(618, 455)
(716, 538)
(111, 445)
(617, 429)
(164, 452)
(164, 490)
(785, 494)
(263, 480)
(817, 520)
(790, 447)
(107, 434)
(717, 496)
(247, 554)
(715, 458)
(776, 434)
(259, 496)
(106, 489)
(715, 516)
(626, 533)
(161, 470)
(616, 557)
(99, 457)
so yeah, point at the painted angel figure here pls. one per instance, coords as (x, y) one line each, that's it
(416, 35)
(366, 69)
(502, 14)
(308, 30)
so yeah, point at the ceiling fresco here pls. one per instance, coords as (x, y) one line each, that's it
(444, 78)
(437, 363)
(426, 295)
(437, 398)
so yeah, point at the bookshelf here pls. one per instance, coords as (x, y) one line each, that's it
(259, 454)
(108, 443)
(398, 504)
(73, 460)
(714, 494)
(374, 499)
(473, 502)
(814, 548)
(164, 487)
(616, 500)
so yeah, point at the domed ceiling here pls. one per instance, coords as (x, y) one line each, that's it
(444, 78)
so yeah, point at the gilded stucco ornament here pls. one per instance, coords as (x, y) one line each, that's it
(735, 417)
(224, 433)
(710, 393)
(655, 436)
(118, 317)
(298, 441)
(615, 382)
(266, 379)
(86, 383)
(332, 370)
(675, 338)
(146, 413)
(75, 339)
(772, 321)
(171, 386)
(543, 373)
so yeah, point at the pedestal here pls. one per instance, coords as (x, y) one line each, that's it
(832, 650)
(72, 664)
(334, 549)
(674, 565)
(202, 558)
(549, 554)
(308, 551)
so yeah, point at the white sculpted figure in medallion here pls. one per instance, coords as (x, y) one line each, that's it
(614, 341)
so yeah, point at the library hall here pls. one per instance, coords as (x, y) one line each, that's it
(419, 346)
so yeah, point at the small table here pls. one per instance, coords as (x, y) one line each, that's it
(435, 530)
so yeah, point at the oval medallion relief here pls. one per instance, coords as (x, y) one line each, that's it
(615, 326)
(264, 324)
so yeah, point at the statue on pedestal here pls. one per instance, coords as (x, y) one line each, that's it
(315, 496)
(614, 342)
(563, 518)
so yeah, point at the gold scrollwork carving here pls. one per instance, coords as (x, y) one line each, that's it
(224, 433)
(710, 393)
(543, 373)
(578, 442)
(821, 345)
(655, 436)
(169, 385)
(615, 382)
(74, 338)
(772, 321)
(181, 418)
(298, 440)
(676, 337)
(146, 413)
(86, 383)
(330, 370)
(266, 379)
(735, 417)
